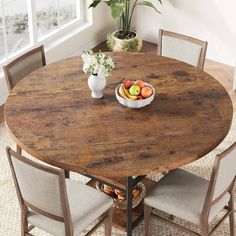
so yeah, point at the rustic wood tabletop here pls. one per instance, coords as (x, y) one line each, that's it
(51, 115)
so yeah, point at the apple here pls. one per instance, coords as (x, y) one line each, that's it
(140, 83)
(134, 90)
(127, 83)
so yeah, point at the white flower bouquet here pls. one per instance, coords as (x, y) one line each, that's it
(97, 63)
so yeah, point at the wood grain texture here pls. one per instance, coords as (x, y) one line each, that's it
(52, 116)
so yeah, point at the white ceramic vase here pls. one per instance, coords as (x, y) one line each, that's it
(96, 84)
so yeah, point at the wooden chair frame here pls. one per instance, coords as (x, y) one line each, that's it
(106, 218)
(209, 202)
(201, 43)
(22, 57)
(12, 63)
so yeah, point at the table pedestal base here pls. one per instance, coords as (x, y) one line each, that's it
(120, 216)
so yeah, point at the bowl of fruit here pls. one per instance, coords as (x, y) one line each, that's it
(134, 94)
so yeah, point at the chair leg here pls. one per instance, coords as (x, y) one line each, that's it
(231, 223)
(204, 230)
(108, 223)
(147, 219)
(231, 217)
(24, 225)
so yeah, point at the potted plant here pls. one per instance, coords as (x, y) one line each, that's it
(125, 38)
(99, 66)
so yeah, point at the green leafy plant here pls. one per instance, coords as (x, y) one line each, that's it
(123, 10)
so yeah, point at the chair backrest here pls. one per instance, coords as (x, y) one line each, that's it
(24, 65)
(183, 48)
(39, 188)
(225, 169)
(222, 177)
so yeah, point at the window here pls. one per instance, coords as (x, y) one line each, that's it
(14, 33)
(47, 16)
(46, 19)
(54, 14)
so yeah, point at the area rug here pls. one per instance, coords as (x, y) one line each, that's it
(10, 211)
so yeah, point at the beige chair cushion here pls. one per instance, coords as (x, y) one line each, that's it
(181, 50)
(183, 194)
(86, 205)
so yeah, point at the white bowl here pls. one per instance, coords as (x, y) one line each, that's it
(134, 103)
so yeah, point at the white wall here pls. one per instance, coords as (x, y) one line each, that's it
(99, 25)
(212, 20)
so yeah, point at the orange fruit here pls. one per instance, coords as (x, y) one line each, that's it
(146, 92)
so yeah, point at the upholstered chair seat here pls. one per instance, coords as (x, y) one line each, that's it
(85, 208)
(183, 194)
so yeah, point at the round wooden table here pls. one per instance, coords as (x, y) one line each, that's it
(52, 116)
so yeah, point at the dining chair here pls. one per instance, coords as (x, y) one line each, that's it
(17, 69)
(24, 65)
(194, 199)
(59, 206)
(182, 47)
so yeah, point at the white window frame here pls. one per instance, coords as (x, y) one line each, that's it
(50, 38)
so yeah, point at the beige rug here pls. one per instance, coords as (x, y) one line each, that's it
(10, 212)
